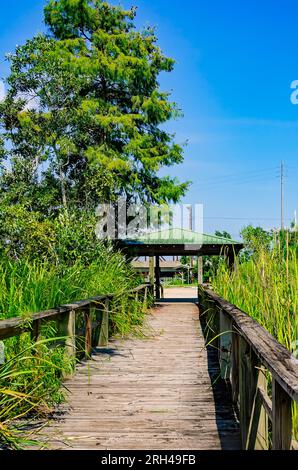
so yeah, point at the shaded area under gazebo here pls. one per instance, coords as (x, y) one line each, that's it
(177, 242)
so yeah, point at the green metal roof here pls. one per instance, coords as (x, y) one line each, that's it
(177, 236)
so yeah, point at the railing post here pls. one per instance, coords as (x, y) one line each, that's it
(145, 299)
(258, 429)
(235, 367)
(225, 344)
(104, 330)
(151, 273)
(67, 329)
(282, 418)
(35, 332)
(248, 379)
(88, 332)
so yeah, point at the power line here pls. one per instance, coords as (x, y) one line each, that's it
(237, 180)
(222, 184)
(245, 218)
(243, 173)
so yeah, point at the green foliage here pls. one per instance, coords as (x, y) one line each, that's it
(31, 378)
(81, 120)
(256, 238)
(212, 263)
(223, 234)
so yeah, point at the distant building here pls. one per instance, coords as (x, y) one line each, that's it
(167, 268)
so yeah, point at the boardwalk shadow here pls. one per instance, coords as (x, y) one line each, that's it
(225, 412)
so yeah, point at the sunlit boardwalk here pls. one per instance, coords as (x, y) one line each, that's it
(152, 393)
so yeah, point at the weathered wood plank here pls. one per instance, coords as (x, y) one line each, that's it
(88, 332)
(104, 331)
(258, 430)
(248, 379)
(67, 330)
(225, 344)
(281, 418)
(150, 394)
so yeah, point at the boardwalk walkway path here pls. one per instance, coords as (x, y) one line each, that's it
(153, 393)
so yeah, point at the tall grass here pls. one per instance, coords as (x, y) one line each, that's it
(30, 382)
(265, 287)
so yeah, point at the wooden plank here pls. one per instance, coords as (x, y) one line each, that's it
(66, 329)
(225, 345)
(153, 394)
(235, 367)
(104, 331)
(157, 277)
(88, 332)
(248, 379)
(35, 332)
(281, 418)
(266, 402)
(275, 357)
(145, 300)
(258, 429)
(151, 272)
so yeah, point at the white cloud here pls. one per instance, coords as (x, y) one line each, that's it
(2, 91)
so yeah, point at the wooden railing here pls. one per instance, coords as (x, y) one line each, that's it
(250, 358)
(96, 317)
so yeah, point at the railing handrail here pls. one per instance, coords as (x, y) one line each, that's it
(17, 325)
(247, 353)
(272, 354)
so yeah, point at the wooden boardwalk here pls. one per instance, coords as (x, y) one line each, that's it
(153, 393)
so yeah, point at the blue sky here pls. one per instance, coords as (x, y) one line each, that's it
(235, 62)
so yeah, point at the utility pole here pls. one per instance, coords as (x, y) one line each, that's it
(282, 176)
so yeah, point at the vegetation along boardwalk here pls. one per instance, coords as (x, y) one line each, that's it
(153, 393)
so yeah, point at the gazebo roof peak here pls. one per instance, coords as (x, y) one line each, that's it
(178, 236)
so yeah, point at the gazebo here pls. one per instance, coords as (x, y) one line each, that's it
(177, 242)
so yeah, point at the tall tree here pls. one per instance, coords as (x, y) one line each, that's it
(83, 113)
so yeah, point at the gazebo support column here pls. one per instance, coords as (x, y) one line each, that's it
(157, 277)
(200, 269)
(151, 272)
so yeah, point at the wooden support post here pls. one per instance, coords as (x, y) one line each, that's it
(157, 278)
(151, 271)
(145, 299)
(235, 367)
(248, 379)
(282, 418)
(225, 345)
(35, 332)
(258, 429)
(67, 329)
(200, 270)
(88, 332)
(104, 330)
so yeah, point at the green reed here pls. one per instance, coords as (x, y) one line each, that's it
(31, 377)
